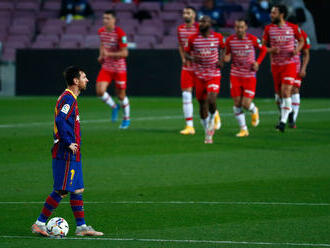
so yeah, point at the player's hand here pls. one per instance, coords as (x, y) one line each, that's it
(255, 66)
(276, 50)
(295, 52)
(220, 64)
(100, 59)
(184, 61)
(302, 73)
(73, 147)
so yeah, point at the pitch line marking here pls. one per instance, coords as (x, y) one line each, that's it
(169, 117)
(185, 203)
(175, 241)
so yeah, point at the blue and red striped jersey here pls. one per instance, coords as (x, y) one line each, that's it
(66, 127)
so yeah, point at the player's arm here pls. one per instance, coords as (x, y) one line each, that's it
(222, 49)
(305, 59)
(187, 51)
(182, 55)
(227, 56)
(300, 46)
(122, 53)
(262, 53)
(101, 54)
(61, 121)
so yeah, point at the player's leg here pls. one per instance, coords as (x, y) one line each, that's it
(187, 83)
(102, 82)
(75, 185)
(276, 73)
(203, 107)
(120, 88)
(286, 90)
(54, 199)
(247, 101)
(295, 97)
(237, 93)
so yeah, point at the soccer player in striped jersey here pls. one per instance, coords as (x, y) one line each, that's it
(184, 31)
(203, 49)
(67, 168)
(113, 53)
(301, 73)
(240, 48)
(280, 36)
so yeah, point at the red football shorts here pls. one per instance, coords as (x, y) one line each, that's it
(297, 81)
(243, 86)
(120, 78)
(283, 74)
(203, 87)
(187, 79)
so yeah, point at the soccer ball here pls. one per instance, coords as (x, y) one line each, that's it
(57, 227)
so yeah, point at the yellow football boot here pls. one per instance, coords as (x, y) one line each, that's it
(217, 121)
(243, 133)
(188, 130)
(255, 118)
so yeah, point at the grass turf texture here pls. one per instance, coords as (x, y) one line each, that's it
(152, 162)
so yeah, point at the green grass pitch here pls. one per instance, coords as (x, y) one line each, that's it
(148, 186)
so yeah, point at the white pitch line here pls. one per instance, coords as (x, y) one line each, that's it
(176, 241)
(184, 203)
(151, 118)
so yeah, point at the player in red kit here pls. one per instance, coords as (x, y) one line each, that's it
(240, 48)
(113, 52)
(184, 31)
(203, 50)
(301, 73)
(280, 36)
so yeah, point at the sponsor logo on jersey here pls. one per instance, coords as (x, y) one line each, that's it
(65, 109)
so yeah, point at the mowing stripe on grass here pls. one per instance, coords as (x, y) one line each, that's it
(152, 118)
(187, 203)
(177, 241)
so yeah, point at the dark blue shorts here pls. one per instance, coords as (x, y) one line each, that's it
(67, 175)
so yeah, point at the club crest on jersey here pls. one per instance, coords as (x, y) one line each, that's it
(65, 109)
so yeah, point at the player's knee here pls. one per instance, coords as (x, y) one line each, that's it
(79, 191)
(99, 92)
(62, 193)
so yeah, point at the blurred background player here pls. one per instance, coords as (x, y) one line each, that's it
(301, 73)
(184, 31)
(240, 48)
(113, 53)
(203, 49)
(280, 36)
(67, 168)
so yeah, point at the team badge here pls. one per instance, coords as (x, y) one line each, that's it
(124, 39)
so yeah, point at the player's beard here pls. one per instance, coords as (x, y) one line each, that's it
(187, 20)
(276, 21)
(203, 29)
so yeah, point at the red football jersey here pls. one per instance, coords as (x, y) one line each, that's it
(284, 38)
(113, 41)
(184, 32)
(243, 54)
(206, 51)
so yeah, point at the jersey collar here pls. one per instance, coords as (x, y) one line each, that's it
(75, 97)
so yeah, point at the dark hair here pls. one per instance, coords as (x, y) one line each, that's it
(110, 12)
(282, 9)
(192, 8)
(241, 20)
(70, 73)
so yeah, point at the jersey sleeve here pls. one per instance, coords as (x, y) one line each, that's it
(64, 110)
(122, 38)
(265, 36)
(258, 45)
(307, 44)
(227, 46)
(221, 41)
(189, 45)
(297, 32)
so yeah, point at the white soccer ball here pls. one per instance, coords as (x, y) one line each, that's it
(57, 227)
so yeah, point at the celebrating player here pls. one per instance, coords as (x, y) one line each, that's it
(190, 27)
(113, 51)
(240, 48)
(203, 49)
(301, 73)
(281, 36)
(67, 168)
